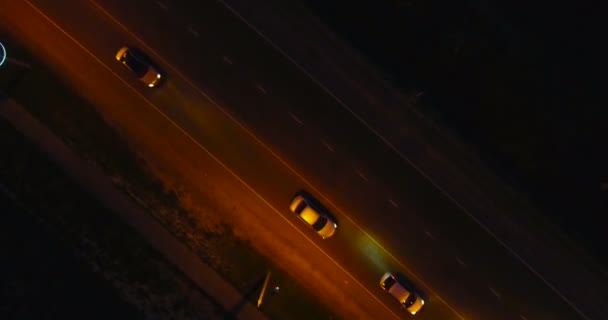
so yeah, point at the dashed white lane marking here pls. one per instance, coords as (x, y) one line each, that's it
(162, 5)
(260, 88)
(362, 175)
(328, 146)
(496, 293)
(393, 203)
(227, 60)
(295, 118)
(428, 233)
(193, 31)
(464, 265)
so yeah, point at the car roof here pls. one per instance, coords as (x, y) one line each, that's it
(309, 214)
(399, 292)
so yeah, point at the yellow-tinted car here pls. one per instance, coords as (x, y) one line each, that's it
(314, 215)
(409, 300)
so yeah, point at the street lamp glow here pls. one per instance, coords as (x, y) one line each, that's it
(3, 52)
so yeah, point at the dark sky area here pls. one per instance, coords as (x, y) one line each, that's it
(518, 79)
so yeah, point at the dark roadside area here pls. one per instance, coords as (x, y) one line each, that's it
(38, 268)
(66, 257)
(515, 80)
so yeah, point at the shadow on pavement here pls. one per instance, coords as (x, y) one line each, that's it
(255, 289)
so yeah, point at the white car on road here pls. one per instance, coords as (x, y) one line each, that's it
(409, 300)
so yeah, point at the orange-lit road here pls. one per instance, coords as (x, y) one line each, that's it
(84, 54)
(308, 143)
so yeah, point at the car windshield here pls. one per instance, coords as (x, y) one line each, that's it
(300, 207)
(410, 300)
(320, 223)
(389, 282)
(139, 67)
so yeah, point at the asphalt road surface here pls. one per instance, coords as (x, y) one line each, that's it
(270, 126)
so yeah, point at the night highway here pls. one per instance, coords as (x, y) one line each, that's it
(233, 109)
